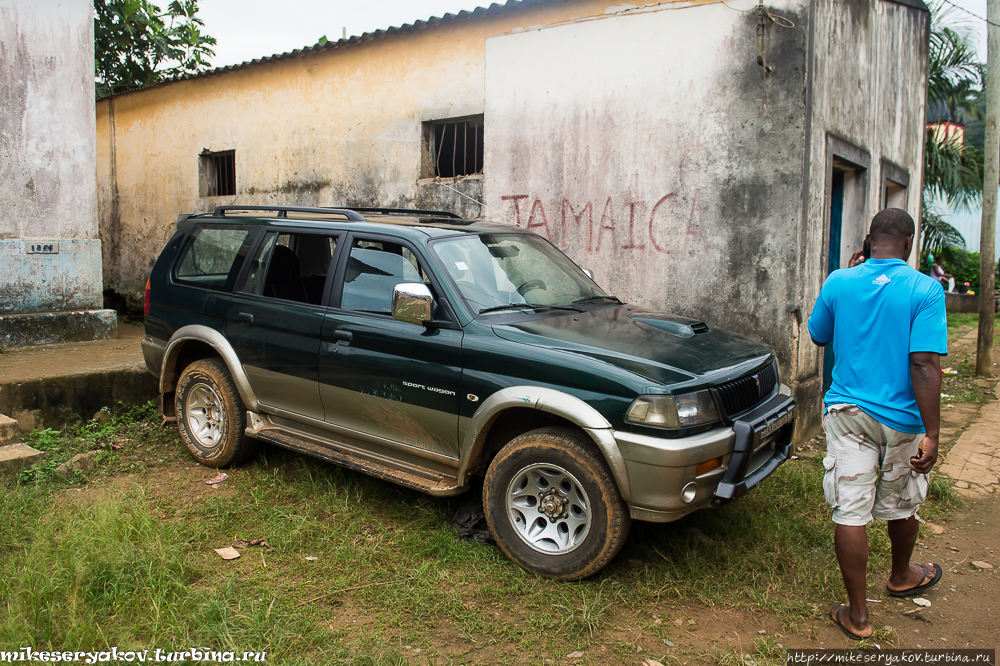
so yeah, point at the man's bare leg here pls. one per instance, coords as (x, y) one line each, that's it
(851, 544)
(903, 536)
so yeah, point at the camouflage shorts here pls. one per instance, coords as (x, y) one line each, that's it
(868, 471)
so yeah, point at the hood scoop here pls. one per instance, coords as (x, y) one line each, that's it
(677, 328)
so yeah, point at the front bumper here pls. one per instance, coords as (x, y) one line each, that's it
(662, 472)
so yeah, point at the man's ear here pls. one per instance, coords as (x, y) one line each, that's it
(909, 248)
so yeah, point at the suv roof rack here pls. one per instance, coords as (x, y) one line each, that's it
(406, 211)
(351, 214)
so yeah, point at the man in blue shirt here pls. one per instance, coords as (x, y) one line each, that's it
(888, 328)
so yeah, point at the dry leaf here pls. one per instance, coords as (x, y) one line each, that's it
(935, 529)
(920, 601)
(979, 564)
(243, 543)
(228, 553)
(651, 662)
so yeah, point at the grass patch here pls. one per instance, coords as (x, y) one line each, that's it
(960, 323)
(391, 582)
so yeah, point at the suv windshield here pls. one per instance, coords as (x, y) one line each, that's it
(504, 272)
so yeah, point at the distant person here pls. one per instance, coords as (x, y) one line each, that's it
(888, 328)
(946, 279)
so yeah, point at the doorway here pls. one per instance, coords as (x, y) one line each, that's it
(847, 223)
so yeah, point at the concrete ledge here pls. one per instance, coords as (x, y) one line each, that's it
(9, 432)
(961, 302)
(42, 328)
(15, 457)
(55, 402)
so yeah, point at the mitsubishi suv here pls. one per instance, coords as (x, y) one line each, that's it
(429, 351)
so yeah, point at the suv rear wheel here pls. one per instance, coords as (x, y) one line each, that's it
(210, 415)
(553, 505)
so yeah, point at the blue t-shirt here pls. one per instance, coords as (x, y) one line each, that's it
(876, 314)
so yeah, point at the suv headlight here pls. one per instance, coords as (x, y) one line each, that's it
(673, 412)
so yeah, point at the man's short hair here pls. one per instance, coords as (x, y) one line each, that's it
(892, 223)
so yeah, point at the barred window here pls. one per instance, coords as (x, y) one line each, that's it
(218, 174)
(455, 147)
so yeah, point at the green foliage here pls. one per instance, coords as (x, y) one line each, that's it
(937, 234)
(955, 76)
(136, 44)
(963, 265)
(952, 170)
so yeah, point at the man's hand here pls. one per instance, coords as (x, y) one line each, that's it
(923, 462)
(856, 259)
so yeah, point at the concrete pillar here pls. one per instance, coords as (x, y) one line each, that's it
(50, 252)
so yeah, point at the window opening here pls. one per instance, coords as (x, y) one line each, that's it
(213, 258)
(291, 267)
(218, 174)
(456, 147)
(373, 271)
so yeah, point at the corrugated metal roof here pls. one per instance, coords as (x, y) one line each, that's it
(350, 41)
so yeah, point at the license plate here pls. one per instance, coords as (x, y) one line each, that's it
(777, 424)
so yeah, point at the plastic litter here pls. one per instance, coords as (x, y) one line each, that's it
(217, 479)
(470, 521)
(228, 553)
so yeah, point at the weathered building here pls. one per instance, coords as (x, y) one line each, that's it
(50, 250)
(700, 159)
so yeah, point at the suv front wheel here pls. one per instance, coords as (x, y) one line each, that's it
(210, 415)
(553, 506)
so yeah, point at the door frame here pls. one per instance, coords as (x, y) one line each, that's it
(842, 153)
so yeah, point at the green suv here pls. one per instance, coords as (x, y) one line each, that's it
(429, 350)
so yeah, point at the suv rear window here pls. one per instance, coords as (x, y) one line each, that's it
(212, 258)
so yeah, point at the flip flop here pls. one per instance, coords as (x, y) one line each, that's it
(909, 592)
(835, 616)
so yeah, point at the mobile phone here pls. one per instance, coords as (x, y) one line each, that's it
(866, 250)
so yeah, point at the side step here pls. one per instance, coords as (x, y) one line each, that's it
(426, 481)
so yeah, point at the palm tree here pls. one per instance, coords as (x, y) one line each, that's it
(953, 170)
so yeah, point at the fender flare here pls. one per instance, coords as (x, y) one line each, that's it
(549, 400)
(218, 342)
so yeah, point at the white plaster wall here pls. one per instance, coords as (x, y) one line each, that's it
(653, 149)
(47, 155)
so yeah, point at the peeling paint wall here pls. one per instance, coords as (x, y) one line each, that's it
(47, 152)
(867, 98)
(653, 148)
(336, 127)
(647, 142)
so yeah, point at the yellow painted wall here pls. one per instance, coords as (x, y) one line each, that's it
(342, 126)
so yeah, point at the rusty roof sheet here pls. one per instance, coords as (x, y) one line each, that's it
(463, 15)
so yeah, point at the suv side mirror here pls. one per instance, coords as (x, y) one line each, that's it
(412, 302)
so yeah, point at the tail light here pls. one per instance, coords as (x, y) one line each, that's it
(145, 300)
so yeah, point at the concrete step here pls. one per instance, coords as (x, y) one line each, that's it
(15, 457)
(9, 432)
(53, 386)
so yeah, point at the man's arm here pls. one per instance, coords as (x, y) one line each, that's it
(925, 376)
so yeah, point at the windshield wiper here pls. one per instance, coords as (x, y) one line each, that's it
(530, 306)
(591, 299)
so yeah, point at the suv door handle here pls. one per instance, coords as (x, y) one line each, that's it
(346, 336)
(245, 318)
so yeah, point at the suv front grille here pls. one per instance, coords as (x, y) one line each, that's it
(741, 394)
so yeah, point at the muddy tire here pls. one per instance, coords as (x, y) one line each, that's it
(210, 415)
(553, 506)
